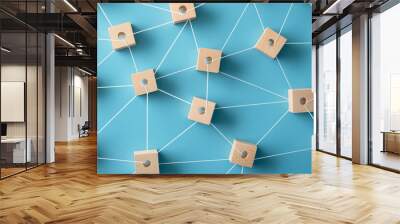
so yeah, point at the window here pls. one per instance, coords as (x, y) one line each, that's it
(327, 96)
(385, 89)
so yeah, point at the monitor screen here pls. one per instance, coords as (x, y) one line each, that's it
(3, 129)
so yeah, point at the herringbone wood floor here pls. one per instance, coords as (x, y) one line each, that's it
(70, 191)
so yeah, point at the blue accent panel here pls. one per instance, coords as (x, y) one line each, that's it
(248, 77)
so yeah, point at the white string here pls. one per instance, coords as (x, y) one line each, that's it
(298, 43)
(208, 73)
(194, 161)
(273, 126)
(194, 36)
(233, 29)
(170, 47)
(253, 85)
(176, 137)
(176, 72)
(242, 170)
(119, 160)
(105, 58)
(251, 105)
(284, 22)
(133, 59)
(237, 52)
(110, 87)
(169, 94)
(222, 134)
(281, 154)
(227, 172)
(199, 5)
(153, 27)
(284, 73)
(259, 17)
(157, 7)
(105, 15)
(147, 119)
(115, 115)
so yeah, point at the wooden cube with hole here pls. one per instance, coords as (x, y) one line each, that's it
(270, 43)
(144, 82)
(300, 100)
(243, 153)
(201, 111)
(182, 12)
(209, 59)
(146, 162)
(121, 36)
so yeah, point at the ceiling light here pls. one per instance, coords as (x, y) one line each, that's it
(5, 50)
(65, 41)
(84, 71)
(70, 5)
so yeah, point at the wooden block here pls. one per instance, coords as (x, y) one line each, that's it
(144, 82)
(121, 36)
(182, 12)
(146, 162)
(209, 59)
(243, 153)
(200, 112)
(300, 100)
(270, 43)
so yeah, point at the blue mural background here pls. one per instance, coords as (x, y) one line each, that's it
(247, 77)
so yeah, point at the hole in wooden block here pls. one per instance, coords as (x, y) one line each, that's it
(243, 153)
(209, 59)
(300, 100)
(182, 12)
(121, 36)
(146, 162)
(270, 43)
(303, 100)
(201, 111)
(182, 9)
(144, 82)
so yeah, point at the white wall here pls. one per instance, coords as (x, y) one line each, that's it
(70, 109)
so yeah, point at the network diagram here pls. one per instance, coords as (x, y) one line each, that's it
(201, 110)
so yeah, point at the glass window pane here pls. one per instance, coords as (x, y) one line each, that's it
(327, 96)
(385, 93)
(346, 94)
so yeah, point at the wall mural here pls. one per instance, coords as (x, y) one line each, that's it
(216, 88)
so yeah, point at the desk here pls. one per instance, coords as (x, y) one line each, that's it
(16, 147)
(391, 141)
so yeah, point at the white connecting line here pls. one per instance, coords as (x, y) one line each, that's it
(105, 58)
(273, 126)
(170, 47)
(259, 17)
(194, 37)
(116, 114)
(284, 22)
(253, 85)
(170, 11)
(234, 27)
(111, 87)
(177, 136)
(282, 154)
(119, 160)
(283, 73)
(173, 96)
(230, 169)
(147, 119)
(222, 134)
(176, 72)
(251, 105)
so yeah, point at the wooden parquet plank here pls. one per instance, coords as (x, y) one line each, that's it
(70, 191)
